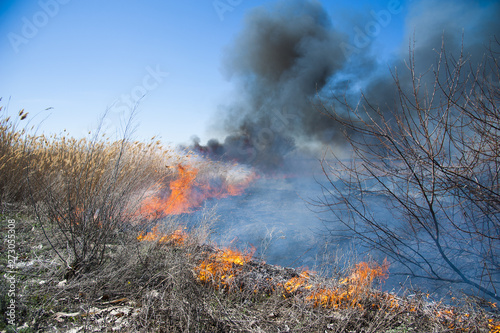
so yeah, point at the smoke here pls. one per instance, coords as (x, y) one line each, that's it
(464, 26)
(475, 23)
(283, 56)
(289, 53)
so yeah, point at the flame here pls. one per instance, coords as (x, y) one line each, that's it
(178, 237)
(364, 273)
(188, 192)
(350, 291)
(179, 201)
(221, 267)
(295, 283)
(494, 326)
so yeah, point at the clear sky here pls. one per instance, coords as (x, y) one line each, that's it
(80, 58)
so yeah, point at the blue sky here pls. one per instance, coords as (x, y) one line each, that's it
(80, 58)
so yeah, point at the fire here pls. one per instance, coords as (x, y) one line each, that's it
(178, 237)
(297, 282)
(189, 191)
(179, 201)
(494, 326)
(221, 267)
(364, 273)
(350, 291)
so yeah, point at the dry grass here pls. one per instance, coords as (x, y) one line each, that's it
(83, 191)
(90, 261)
(76, 167)
(12, 185)
(161, 286)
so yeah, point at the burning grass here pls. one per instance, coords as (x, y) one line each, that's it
(177, 237)
(88, 195)
(221, 267)
(193, 186)
(231, 270)
(180, 199)
(352, 291)
(168, 280)
(84, 191)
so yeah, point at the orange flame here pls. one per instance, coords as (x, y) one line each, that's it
(221, 267)
(348, 294)
(494, 326)
(364, 273)
(188, 193)
(178, 237)
(179, 200)
(295, 283)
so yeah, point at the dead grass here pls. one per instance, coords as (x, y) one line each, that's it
(12, 183)
(90, 262)
(155, 286)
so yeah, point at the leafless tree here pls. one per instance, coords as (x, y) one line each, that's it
(432, 162)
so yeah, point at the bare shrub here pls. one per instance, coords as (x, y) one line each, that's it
(85, 192)
(432, 163)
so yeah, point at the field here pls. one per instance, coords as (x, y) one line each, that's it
(95, 241)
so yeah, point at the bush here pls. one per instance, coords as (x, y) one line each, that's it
(431, 161)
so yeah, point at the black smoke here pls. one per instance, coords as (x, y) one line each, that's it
(288, 54)
(282, 58)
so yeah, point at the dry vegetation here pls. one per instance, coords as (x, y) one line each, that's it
(89, 261)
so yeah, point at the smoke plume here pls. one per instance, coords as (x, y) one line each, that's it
(288, 54)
